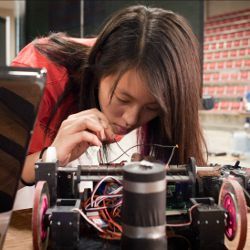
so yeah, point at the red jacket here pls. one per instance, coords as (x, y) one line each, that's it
(57, 78)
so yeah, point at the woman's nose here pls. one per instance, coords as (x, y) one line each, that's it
(131, 116)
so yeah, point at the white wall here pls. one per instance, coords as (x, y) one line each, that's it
(12, 37)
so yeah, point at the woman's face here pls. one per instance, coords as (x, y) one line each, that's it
(131, 106)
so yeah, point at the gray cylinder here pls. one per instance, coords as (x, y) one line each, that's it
(144, 206)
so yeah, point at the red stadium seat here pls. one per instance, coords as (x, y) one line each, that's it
(224, 105)
(230, 90)
(240, 90)
(220, 91)
(226, 56)
(236, 106)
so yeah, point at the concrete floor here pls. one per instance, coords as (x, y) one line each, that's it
(219, 141)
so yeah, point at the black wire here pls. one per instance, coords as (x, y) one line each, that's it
(171, 156)
(156, 145)
(120, 147)
(100, 152)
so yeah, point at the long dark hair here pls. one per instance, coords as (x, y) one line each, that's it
(162, 47)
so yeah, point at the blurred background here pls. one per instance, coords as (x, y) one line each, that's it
(222, 27)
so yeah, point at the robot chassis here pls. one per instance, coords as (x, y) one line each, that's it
(219, 222)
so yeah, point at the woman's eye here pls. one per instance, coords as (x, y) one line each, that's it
(122, 100)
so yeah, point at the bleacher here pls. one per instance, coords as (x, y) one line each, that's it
(226, 68)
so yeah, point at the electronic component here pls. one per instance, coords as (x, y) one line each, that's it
(198, 199)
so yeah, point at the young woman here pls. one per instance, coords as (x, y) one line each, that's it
(142, 71)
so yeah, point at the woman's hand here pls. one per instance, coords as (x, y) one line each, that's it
(78, 132)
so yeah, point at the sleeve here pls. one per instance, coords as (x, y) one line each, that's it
(56, 79)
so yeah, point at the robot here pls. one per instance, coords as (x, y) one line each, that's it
(206, 207)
